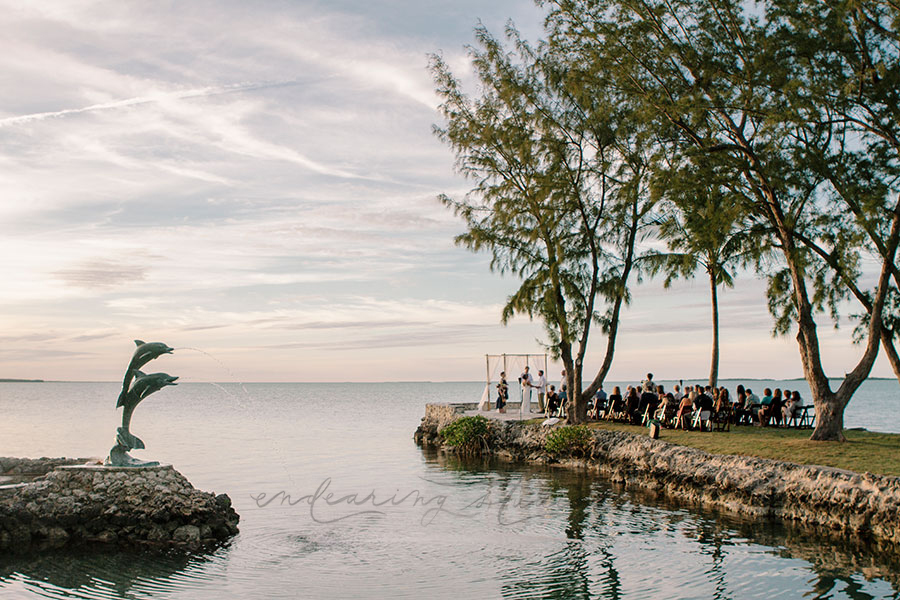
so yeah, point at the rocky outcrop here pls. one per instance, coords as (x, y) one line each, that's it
(865, 504)
(95, 504)
(437, 416)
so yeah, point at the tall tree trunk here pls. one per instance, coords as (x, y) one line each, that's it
(617, 305)
(577, 402)
(714, 363)
(565, 354)
(830, 406)
(887, 342)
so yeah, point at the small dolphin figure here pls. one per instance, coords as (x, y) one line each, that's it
(144, 353)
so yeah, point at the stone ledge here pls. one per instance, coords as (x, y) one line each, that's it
(865, 505)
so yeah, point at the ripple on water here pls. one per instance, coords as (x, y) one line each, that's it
(539, 532)
(100, 574)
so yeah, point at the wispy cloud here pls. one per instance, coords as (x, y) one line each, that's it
(127, 102)
(101, 273)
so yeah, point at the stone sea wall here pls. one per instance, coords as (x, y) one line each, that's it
(867, 505)
(154, 506)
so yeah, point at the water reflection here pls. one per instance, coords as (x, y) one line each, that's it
(612, 544)
(106, 573)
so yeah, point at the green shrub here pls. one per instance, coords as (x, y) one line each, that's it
(469, 435)
(570, 441)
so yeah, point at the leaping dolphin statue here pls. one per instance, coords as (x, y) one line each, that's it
(135, 387)
(144, 353)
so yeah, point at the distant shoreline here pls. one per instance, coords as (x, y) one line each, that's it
(688, 379)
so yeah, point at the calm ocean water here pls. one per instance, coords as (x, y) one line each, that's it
(408, 524)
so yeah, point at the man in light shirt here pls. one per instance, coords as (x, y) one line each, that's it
(649, 385)
(541, 385)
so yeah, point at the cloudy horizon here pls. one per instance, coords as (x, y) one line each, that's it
(259, 182)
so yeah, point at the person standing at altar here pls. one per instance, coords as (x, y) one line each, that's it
(541, 385)
(527, 383)
(502, 393)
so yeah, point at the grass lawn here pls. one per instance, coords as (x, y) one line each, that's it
(863, 451)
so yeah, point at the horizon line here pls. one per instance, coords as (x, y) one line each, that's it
(364, 382)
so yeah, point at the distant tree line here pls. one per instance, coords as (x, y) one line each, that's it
(725, 134)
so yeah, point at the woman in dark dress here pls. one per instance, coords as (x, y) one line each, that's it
(740, 408)
(502, 393)
(614, 403)
(632, 404)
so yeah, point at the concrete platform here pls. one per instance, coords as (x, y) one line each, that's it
(511, 414)
(109, 469)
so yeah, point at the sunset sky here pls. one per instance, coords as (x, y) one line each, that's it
(258, 180)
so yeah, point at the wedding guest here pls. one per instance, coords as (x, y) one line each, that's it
(600, 401)
(792, 407)
(552, 401)
(685, 410)
(632, 404)
(762, 416)
(615, 403)
(502, 393)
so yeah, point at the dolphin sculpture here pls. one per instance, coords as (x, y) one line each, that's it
(135, 387)
(144, 353)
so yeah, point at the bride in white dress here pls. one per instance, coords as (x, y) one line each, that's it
(526, 383)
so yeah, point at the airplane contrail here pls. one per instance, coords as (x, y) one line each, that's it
(193, 93)
(275, 151)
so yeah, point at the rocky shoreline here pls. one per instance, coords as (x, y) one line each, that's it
(866, 506)
(55, 502)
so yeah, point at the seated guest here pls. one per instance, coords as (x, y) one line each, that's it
(740, 396)
(704, 401)
(741, 407)
(752, 405)
(792, 407)
(663, 402)
(765, 402)
(723, 408)
(552, 401)
(685, 409)
(751, 397)
(632, 403)
(615, 404)
(774, 411)
(648, 401)
(600, 400)
(705, 404)
(668, 406)
(660, 396)
(563, 397)
(723, 401)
